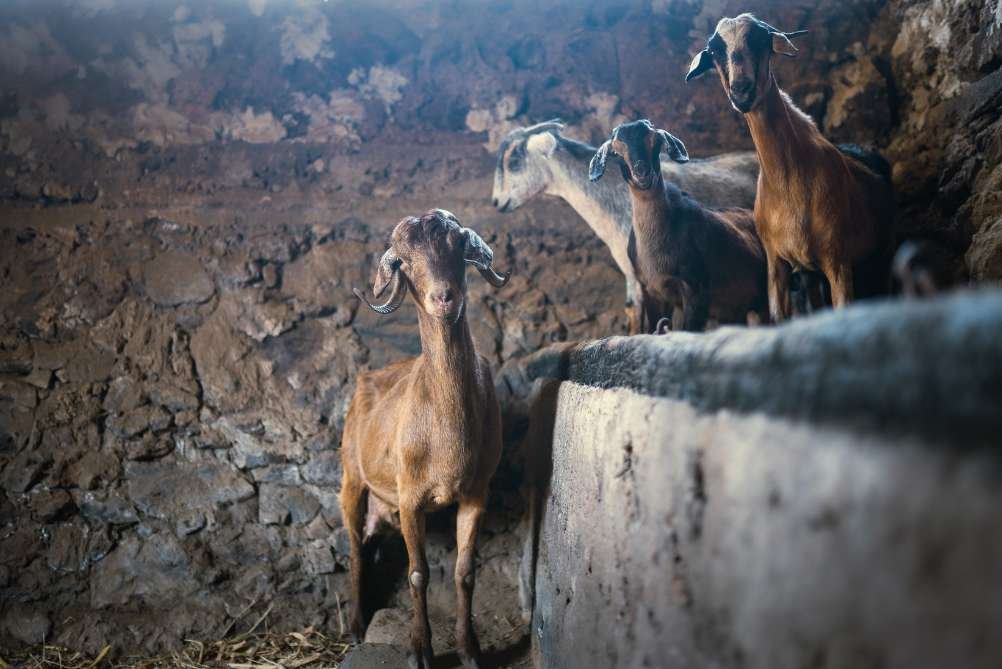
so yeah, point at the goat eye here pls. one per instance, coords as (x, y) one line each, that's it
(515, 159)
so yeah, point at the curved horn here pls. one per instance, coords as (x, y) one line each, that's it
(389, 268)
(392, 303)
(596, 168)
(481, 256)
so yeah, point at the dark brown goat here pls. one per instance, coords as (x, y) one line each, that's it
(425, 433)
(818, 206)
(682, 252)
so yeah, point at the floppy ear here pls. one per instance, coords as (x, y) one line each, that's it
(596, 168)
(781, 42)
(389, 265)
(674, 146)
(700, 64)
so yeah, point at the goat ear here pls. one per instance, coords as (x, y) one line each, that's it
(542, 142)
(674, 146)
(781, 43)
(596, 168)
(389, 265)
(700, 64)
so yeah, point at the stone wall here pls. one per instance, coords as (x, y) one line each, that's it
(732, 500)
(189, 191)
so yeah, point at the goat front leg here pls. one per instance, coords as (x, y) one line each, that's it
(840, 279)
(695, 311)
(412, 523)
(467, 525)
(634, 306)
(353, 507)
(779, 288)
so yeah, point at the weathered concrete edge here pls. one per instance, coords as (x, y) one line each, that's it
(927, 368)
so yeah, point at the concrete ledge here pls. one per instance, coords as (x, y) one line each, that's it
(769, 498)
(930, 368)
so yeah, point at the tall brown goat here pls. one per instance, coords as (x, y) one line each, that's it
(425, 433)
(681, 251)
(818, 206)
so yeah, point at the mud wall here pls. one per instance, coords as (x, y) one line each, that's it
(188, 192)
(707, 512)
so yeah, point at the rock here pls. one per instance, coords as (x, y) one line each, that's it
(287, 475)
(112, 509)
(392, 626)
(87, 365)
(154, 486)
(67, 550)
(93, 469)
(148, 447)
(859, 109)
(24, 471)
(279, 505)
(20, 394)
(172, 398)
(48, 505)
(52, 354)
(40, 378)
(124, 395)
(323, 468)
(318, 558)
(258, 319)
(138, 421)
(29, 625)
(15, 356)
(342, 545)
(149, 570)
(230, 379)
(376, 656)
(174, 278)
(314, 280)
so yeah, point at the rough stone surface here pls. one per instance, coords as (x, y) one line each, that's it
(175, 278)
(376, 656)
(715, 524)
(189, 196)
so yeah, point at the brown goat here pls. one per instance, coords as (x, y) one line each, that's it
(681, 251)
(818, 206)
(425, 433)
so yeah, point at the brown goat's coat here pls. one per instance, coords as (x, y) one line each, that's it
(425, 433)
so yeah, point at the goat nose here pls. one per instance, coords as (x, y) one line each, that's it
(443, 296)
(742, 87)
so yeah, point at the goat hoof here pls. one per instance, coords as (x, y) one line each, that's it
(419, 660)
(357, 630)
(469, 661)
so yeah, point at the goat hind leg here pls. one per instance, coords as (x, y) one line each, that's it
(412, 524)
(779, 288)
(352, 497)
(471, 511)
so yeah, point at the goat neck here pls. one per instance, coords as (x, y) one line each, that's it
(781, 132)
(651, 210)
(447, 350)
(594, 201)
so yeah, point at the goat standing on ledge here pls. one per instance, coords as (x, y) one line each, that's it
(819, 206)
(425, 433)
(680, 250)
(539, 159)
